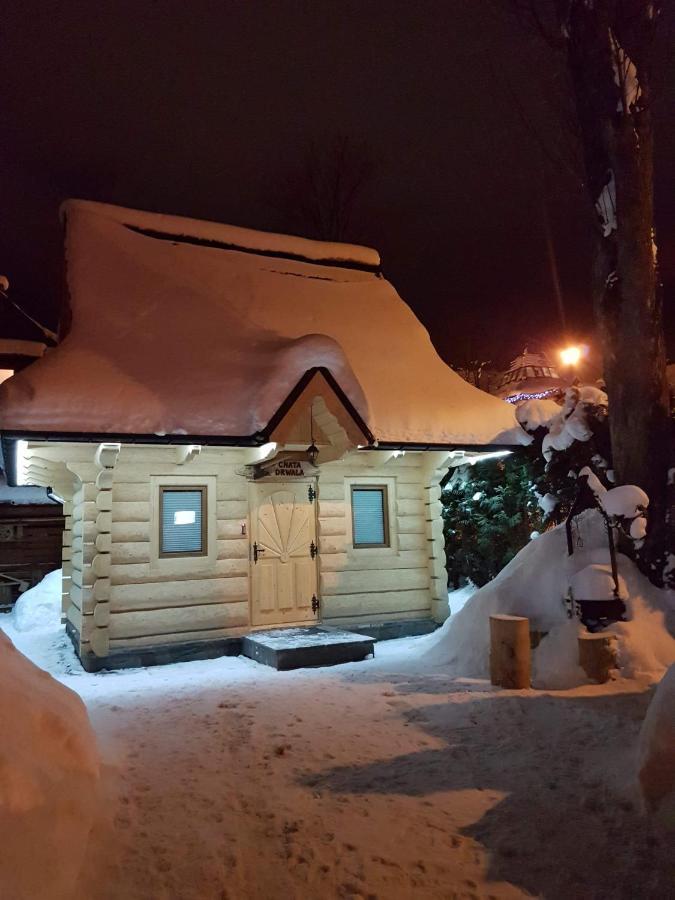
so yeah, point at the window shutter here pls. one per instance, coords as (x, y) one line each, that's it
(182, 515)
(369, 516)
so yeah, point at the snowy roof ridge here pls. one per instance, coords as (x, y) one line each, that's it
(530, 358)
(230, 237)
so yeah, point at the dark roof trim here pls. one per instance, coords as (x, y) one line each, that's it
(477, 448)
(281, 413)
(275, 254)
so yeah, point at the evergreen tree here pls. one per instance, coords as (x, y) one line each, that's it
(489, 511)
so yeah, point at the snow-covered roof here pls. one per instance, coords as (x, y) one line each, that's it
(192, 328)
(528, 358)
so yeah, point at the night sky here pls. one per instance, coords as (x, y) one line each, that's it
(205, 109)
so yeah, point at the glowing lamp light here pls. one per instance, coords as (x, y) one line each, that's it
(570, 356)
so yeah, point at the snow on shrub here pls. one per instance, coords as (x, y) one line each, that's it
(656, 755)
(49, 781)
(574, 421)
(533, 414)
(535, 584)
(624, 506)
(40, 606)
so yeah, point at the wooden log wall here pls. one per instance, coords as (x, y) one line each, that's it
(363, 586)
(115, 598)
(148, 606)
(435, 467)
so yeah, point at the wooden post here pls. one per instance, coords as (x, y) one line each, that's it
(597, 655)
(510, 651)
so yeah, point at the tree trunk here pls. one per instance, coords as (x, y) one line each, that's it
(608, 58)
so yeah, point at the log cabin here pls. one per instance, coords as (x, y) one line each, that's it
(247, 431)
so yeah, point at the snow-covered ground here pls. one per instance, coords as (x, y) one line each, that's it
(385, 779)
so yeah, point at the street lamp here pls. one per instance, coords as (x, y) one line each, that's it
(570, 356)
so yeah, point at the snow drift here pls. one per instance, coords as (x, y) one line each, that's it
(656, 761)
(40, 606)
(49, 781)
(535, 584)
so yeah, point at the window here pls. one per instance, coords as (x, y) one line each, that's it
(182, 521)
(370, 518)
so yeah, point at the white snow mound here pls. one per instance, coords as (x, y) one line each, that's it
(49, 781)
(595, 582)
(656, 757)
(40, 606)
(535, 584)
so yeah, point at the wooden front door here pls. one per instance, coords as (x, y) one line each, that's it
(283, 550)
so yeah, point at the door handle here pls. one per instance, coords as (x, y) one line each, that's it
(256, 551)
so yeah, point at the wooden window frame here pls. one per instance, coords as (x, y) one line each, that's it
(383, 489)
(181, 554)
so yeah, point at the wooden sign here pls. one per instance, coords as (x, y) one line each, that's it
(287, 466)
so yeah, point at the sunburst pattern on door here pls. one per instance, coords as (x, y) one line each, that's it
(284, 530)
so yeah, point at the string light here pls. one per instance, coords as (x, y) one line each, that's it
(540, 395)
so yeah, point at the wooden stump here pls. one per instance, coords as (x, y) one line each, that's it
(597, 655)
(510, 651)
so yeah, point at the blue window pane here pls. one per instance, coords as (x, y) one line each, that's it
(182, 522)
(369, 516)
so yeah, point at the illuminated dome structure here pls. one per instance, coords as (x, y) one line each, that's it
(530, 376)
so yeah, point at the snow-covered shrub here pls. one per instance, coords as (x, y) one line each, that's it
(49, 781)
(566, 440)
(625, 506)
(656, 756)
(40, 606)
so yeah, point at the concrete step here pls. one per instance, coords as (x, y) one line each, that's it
(298, 648)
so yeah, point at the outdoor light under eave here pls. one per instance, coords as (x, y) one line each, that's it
(312, 453)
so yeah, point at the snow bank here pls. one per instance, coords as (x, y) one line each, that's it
(49, 781)
(656, 755)
(535, 584)
(459, 598)
(645, 645)
(39, 607)
(555, 662)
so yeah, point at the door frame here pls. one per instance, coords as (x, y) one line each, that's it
(309, 480)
